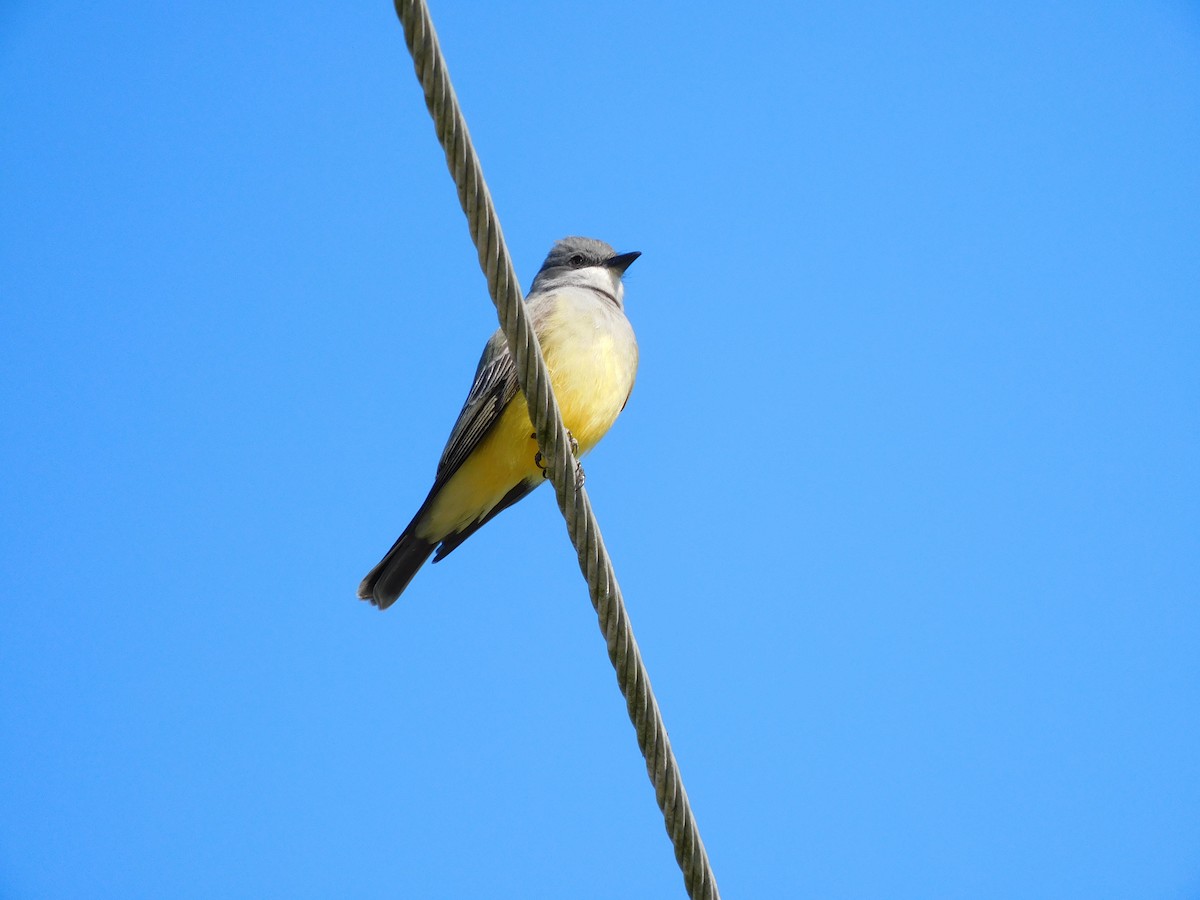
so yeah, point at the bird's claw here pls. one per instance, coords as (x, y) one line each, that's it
(579, 476)
(540, 461)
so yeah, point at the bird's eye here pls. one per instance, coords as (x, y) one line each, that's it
(575, 260)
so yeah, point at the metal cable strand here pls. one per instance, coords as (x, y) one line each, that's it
(552, 438)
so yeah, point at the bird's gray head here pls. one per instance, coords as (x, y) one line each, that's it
(584, 262)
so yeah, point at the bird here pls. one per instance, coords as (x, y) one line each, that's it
(491, 460)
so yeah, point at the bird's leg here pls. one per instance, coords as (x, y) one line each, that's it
(540, 461)
(579, 476)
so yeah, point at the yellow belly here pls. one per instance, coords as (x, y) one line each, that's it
(592, 371)
(503, 459)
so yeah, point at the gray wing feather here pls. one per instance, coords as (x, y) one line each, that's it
(494, 386)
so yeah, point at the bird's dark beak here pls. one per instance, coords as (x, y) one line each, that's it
(622, 261)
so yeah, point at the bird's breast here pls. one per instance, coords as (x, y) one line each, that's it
(592, 356)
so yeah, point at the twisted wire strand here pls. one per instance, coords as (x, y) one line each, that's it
(553, 441)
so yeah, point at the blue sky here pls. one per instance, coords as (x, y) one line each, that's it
(905, 504)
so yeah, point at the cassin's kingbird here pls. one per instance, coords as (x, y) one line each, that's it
(576, 305)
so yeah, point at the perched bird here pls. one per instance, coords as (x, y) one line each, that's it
(576, 305)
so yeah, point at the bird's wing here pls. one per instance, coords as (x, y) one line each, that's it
(494, 386)
(452, 540)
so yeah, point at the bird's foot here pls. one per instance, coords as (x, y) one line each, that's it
(540, 461)
(579, 476)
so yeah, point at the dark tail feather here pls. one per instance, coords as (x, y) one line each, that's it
(454, 538)
(387, 581)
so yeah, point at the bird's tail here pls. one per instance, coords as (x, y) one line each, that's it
(387, 581)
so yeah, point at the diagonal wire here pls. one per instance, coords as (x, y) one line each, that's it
(554, 443)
